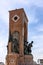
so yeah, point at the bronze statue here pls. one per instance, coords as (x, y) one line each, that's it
(15, 46)
(27, 47)
(15, 43)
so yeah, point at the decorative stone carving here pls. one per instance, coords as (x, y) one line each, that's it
(15, 42)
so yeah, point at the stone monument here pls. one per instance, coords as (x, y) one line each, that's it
(18, 49)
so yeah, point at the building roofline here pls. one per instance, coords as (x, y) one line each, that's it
(22, 10)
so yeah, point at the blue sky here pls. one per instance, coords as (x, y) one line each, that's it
(34, 12)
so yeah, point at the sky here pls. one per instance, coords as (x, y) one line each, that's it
(34, 12)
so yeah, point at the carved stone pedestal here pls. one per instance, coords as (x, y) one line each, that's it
(12, 59)
(21, 60)
(28, 60)
(25, 60)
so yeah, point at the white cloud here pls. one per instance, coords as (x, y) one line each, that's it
(32, 19)
(2, 54)
(38, 3)
(4, 11)
(37, 37)
(3, 48)
(20, 2)
(40, 28)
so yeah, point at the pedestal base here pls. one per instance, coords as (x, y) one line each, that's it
(25, 60)
(12, 59)
(16, 59)
(28, 60)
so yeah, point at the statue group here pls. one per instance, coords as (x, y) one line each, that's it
(15, 45)
(27, 47)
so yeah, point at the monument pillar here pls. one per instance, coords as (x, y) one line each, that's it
(17, 34)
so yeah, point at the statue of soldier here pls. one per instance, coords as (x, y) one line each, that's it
(27, 47)
(15, 46)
